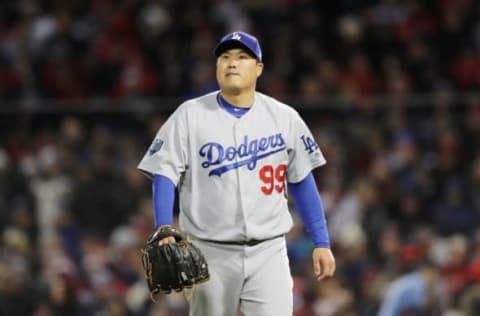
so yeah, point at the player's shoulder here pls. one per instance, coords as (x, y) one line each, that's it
(276, 105)
(202, 102)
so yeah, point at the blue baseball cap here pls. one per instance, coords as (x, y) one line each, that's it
(239, 40)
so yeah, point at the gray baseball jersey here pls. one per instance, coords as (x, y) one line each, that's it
(232, 172)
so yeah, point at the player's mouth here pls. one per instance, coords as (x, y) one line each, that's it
(228, 74)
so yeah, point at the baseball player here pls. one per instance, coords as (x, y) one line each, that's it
(235, 156)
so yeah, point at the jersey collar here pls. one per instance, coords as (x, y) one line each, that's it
(230, 108)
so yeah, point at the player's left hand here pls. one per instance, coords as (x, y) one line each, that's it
(323, 263)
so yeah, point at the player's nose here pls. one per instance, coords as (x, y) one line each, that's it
(232, 63)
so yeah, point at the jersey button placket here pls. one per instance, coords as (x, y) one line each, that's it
(240, 172)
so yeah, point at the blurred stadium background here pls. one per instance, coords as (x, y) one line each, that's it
(390, 89)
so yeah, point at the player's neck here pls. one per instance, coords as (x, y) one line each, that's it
(243, 100)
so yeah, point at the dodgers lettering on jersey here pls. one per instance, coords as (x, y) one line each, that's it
(231, 172)
(247, 153)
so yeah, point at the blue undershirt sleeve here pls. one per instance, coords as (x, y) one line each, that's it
(163, 200)
(308, 204)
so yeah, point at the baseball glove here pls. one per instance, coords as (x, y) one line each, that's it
(172, 266)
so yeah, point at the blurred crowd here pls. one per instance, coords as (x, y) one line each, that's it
(84, 49)
(400, 187)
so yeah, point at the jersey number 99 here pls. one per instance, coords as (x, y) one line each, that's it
(274, 178)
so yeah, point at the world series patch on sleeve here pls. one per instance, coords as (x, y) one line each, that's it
(172, 266)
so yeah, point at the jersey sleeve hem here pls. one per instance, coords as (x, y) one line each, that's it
(301, 175)
(150, 174)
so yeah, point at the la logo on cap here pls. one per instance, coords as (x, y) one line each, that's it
(236, 36)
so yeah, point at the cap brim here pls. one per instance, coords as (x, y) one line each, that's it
(231, 44)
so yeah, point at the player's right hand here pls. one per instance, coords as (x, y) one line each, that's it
(166, 240)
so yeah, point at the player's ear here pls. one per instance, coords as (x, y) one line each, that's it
(259, 69)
